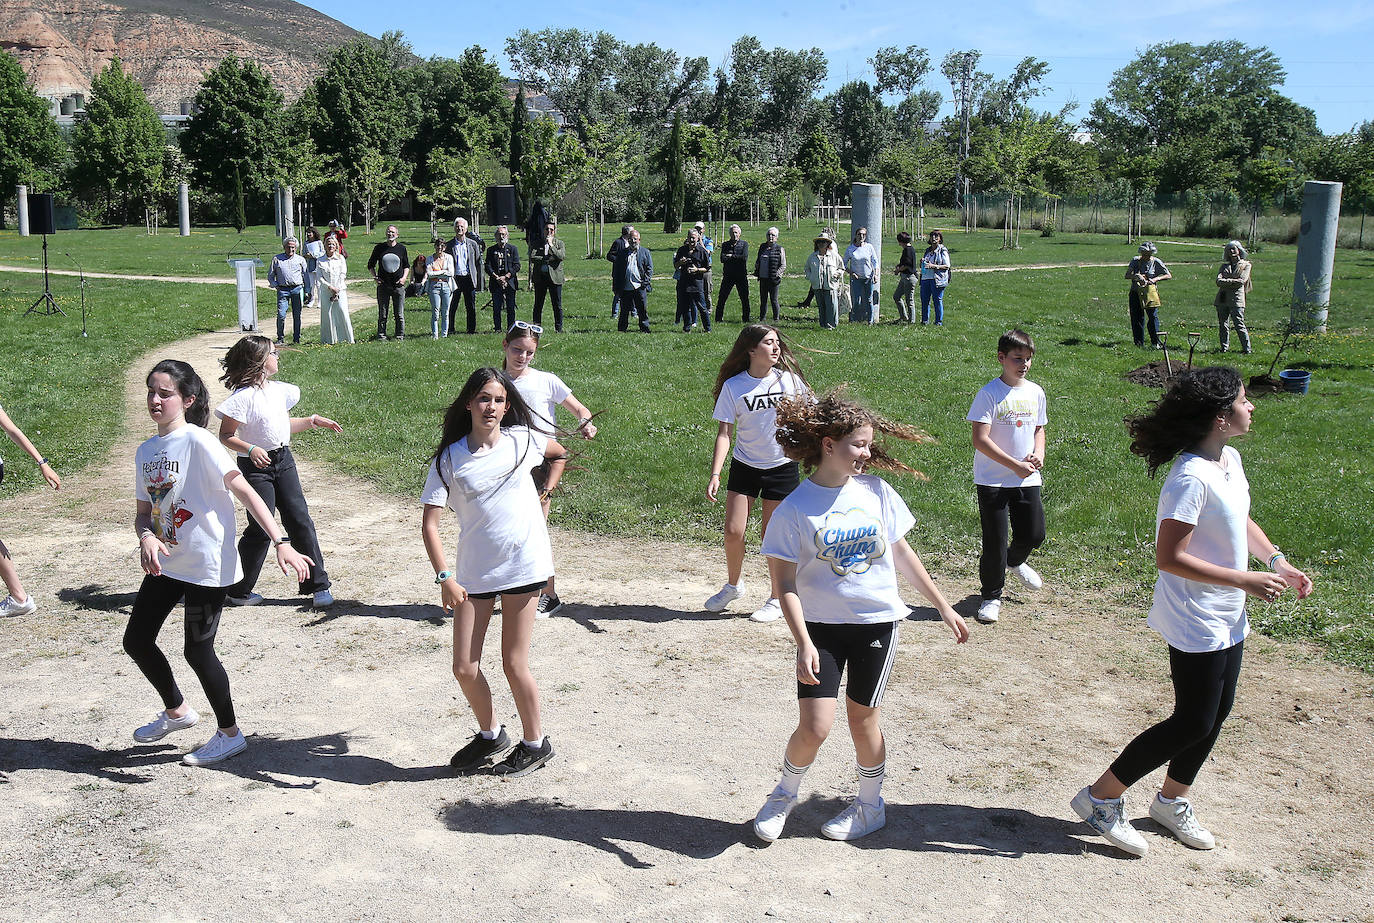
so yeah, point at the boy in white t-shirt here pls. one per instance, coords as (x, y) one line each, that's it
(1008, 417)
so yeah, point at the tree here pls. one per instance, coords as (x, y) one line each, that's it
(519, 132)
(1260, 180)
(33, 153)
(900, 71)
(675, 193)
(461, 109)
(454, 181)
(551, 163)
(119, 144)
(1008, 157)
(911, 169)
(376, 178)
(236, 130)
(610, 163)
(653, 82)
(862, 126)
(571, 67)
(819, 163)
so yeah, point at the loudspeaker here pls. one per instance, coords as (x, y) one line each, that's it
(501, 205)
(42, 218)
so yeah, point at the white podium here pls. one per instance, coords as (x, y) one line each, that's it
(246, 278)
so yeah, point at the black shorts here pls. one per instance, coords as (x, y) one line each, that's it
(513, 591)
(770, 483)
(868, 650)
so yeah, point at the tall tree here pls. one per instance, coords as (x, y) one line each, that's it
(819, 164)
(461, 109)
(675, 192)
(34, 152)
(519, 133)
(571, 67)
(551, 162)
(862, 125)
(119, 143)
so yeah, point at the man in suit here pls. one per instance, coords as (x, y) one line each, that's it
(634, 283)
(466, 250)
(616, 254)
(503, 276)
(546, 266)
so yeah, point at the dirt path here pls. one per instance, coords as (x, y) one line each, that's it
(669, 725)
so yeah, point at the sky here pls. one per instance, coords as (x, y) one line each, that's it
(1326, 47)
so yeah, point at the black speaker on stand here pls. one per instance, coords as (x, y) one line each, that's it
(501, 205)
(43, 220)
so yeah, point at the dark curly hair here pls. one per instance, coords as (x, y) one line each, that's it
(803, 423)
(1183, 417)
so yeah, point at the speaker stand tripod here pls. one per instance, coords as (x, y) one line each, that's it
(48, 302)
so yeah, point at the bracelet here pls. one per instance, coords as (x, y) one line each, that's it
(442, 576)
(1275, 556)
(313, 424)
(583, 422)
(42, 462)
(251, 447)
(278, 542)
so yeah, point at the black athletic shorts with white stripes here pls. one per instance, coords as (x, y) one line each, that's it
(867, 650)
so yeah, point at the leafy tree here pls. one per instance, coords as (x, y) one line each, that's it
(454, 181)
(519, 133)
(33, 153)
(913, 169)
(1008, 158)
(654, 82)
(376, 178)
(551, 163)
(674, 156)
(461, 109)
(571, 67)
(1260, 180)
(818, 163)
(862, 126)
(898, 70)
(611, 162)
(119, 144)
(236, 130)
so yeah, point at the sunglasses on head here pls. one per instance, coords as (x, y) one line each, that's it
(521, 325)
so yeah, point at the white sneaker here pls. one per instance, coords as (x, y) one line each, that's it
(1027, 575)
(768, 823)
(728, 594)
(770, 611)
(162, 725)
(1178, 818)
(216, 749)
(11, 606)
(989, 610)
(859, 819)
(1108, 818)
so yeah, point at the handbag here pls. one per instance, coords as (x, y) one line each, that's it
(1152, 296)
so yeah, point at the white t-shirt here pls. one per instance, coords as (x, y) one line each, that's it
(503, 543)
(263, 413)
(1192, 616)
(182, 476)
(1012, 414)
(841, 540)
(543, 391)
(752, 405)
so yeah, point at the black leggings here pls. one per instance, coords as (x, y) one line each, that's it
(156, 599)
(999, 508)
(1204, 688)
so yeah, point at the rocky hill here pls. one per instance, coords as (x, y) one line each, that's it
(168, 44)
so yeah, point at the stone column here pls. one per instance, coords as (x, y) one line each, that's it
(184, 208)
(867, 212)
(288, 211)
(23, 209)
(1321, 212)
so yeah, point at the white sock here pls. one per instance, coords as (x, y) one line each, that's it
(533, 744)
(791, 777)
(871, 783)
(492, 735)
(1163, 800)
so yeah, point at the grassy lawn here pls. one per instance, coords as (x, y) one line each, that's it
(645, 475)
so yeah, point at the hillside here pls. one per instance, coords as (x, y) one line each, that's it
(168, 44)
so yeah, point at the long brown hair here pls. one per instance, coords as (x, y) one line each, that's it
(804, 424)
(458, 418)
(738, 359)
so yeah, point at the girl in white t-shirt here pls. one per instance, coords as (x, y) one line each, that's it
(544, 392)
(759, 372)
(255, 422)
(1203, 543)
(491, 442)
(185, 483)
(17, 602)
(834, 550)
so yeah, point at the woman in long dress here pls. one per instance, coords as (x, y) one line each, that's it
(331, 294)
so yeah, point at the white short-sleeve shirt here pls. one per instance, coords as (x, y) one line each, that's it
(182, 476)
(543, 391)
(1192, 616)
(263, 413)
(841, 540)
(503, 542)
(1012, 414)
(751, 404)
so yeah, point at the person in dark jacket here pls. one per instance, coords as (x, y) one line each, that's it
(692, 263)
(466, 248)
(904, 293)
(734, 272)
(546, 268)
(616, 254)
(768, 268)
(503, 277)
(636, 275)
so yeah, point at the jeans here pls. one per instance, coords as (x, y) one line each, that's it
(440, 299)
(904, 295)
(463, 285)
(768, 294)
(825, 304)
(633, 302)
(391, 298)
(739, 284)
(279, 486)
(930, 292)
(998, 508)
(544, 287)
(156, 599)
(691, 307)
(289, 297)
(503, 295)
(863, 309)
(1236, 315)
(1140, 314)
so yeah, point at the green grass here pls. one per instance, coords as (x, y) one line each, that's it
(645, 474)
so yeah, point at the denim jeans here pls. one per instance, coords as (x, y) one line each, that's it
(440, 294)
(862, 309)
(1143, 316)
(930, 292)
(691, 308)
(289, 298)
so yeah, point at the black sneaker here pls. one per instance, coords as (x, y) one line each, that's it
(522, 760)
(547, 606)
(476, 751)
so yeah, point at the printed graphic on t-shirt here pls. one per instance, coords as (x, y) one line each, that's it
(850, 541)
(766, 400)
(1016, 411)
(160, 477)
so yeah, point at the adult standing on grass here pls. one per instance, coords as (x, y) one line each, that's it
(1008, 417)
(734, 273)
(903, 293)
(935, 267)
(755, 377)
(834, 549)
(491, 443)
(466, 250)
(544, 392)
(1203, 542)
(861, 262)
(313, 251)
(617, 254)
(546, 266)
(17, 601)
(439, 286)
(692, 263)
(1146, 271)
(769, 265)
(287, 276)
(185, 484)
(331, 292)
(390, 268)
(825, 273)
(635, 273)
(1233, 281)
(503, 277)
(339, 233)
(255, 423)
(810, 292)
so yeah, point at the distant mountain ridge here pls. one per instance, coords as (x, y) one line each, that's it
(168, 45)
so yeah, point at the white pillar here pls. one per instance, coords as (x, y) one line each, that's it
(276, 206)
(288, 211)
(184, 208)
(1321, 213)
(867, 212)
(23, 209)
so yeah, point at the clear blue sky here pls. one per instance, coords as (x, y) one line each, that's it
(1326, 47)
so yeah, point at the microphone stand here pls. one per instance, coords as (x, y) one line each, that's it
(82, 273)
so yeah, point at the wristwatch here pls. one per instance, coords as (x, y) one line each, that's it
(442, 576)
